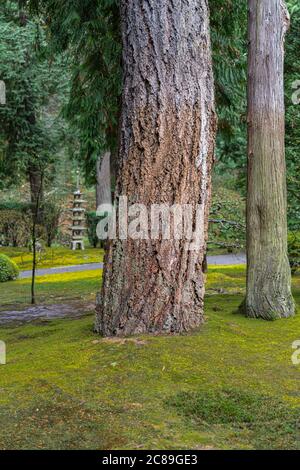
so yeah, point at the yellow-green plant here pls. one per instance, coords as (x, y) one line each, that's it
(9, 271)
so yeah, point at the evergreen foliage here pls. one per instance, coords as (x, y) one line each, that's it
(29, 131)
(88, 31)
(292, 76)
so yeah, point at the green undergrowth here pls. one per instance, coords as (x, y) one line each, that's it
(64, 387)
(53, 257)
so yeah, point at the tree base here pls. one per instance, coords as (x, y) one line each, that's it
(269, 310)
(135, 324)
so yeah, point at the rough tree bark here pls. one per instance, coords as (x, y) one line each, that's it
(103, 185)
(268, 272)
(166, 153)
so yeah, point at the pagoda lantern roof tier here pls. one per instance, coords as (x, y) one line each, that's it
(77, 227)
(77, 209)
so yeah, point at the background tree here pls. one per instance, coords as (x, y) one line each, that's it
(229, 41)
(29, 131)
(268, 272)
(88, 32)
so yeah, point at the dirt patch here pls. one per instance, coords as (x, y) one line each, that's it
(137, 341)
(45, 312)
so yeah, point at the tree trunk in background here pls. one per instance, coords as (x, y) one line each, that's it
(103, 186)
(268, 273)
(36, 190)
(35, 215)
(165, 156)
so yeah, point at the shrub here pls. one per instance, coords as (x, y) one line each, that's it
(63, 239)
(227, 220)
(9, 271)
(51, 215)
(23, 207)
(294, 251)
(14, 228)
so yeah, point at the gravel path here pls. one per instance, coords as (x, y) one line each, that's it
(227, 259)
(212, 260)
(63, 269)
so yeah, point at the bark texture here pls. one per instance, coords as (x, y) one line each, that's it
(166, 153)
(103, 186)
(268, 272)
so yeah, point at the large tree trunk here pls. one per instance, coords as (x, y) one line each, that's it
(103, 185)
(268, 273)
(165, 156)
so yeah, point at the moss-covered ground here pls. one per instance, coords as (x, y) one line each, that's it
(229, 385)
(53, 257)
(84, 285)
(54, 288)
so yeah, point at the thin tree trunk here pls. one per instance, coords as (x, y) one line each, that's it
(103, 185)
(166, 153)
(36, 190)
(35, 215)
(268, 273)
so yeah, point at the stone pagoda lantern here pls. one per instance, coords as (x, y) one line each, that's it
(78, 219)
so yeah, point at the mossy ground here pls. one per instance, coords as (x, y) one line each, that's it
(64, 387)
(84, 285)
(53, 257)
(54, 288)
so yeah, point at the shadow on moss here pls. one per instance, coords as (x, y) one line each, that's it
(244, 419)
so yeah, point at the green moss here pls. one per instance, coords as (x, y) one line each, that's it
(52, 289)
(53, 257)
(64, 387)
(255, 420)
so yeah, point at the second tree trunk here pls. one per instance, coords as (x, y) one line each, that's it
(268, 272)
